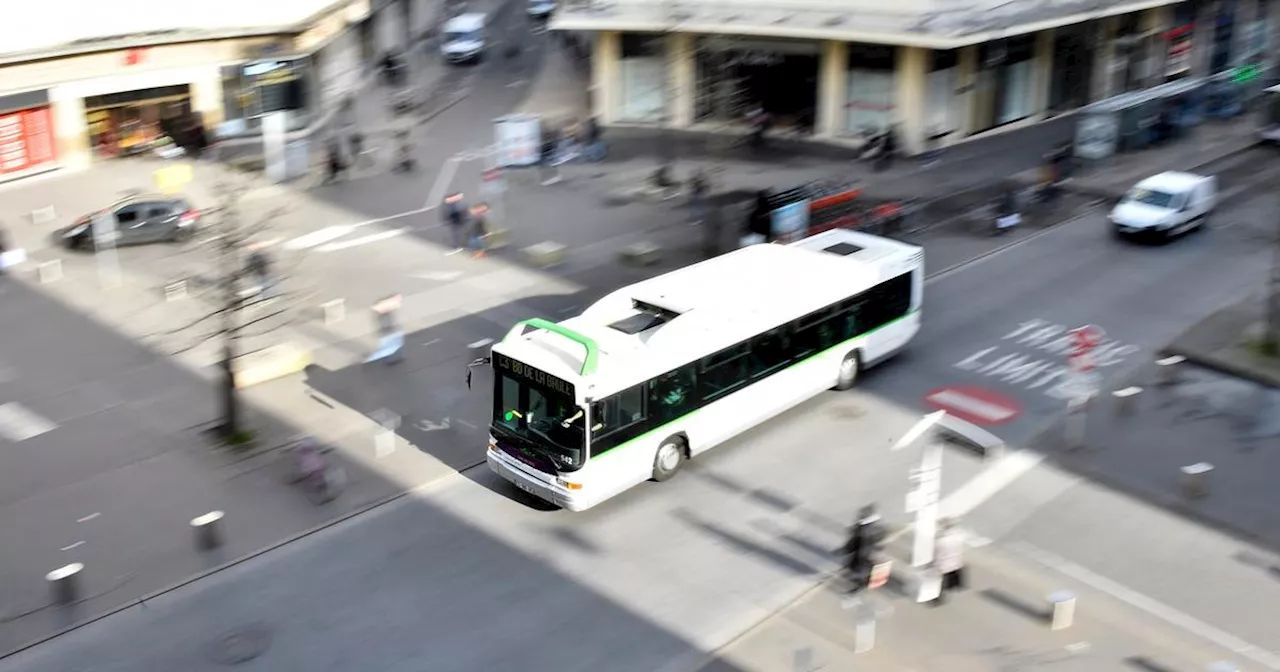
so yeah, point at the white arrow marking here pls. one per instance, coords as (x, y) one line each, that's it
(480, 343)
(88, 518)
(75, 545)
(429, 426)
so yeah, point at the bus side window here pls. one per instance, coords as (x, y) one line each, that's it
(723, 373)
(671, 395)
(815, 333)
(847, 321)
(618, 411)
(769, 352)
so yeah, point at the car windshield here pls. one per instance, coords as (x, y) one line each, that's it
(463, 36)
(1159, 199)
(544, 415)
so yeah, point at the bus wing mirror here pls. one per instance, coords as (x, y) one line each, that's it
(479, 361)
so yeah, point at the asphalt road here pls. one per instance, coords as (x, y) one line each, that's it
(466, 575)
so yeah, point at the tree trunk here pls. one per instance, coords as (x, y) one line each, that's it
(230, 400)
(1271, 330)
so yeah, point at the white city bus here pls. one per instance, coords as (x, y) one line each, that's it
(657, 372)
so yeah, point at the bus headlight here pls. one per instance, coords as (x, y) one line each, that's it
(568, 485)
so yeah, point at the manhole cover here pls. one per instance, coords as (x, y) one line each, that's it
(241, 645)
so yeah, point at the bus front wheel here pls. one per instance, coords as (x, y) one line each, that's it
(850, 368)
(669, 459)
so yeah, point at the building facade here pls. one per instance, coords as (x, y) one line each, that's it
(936, 72)
(94, 89)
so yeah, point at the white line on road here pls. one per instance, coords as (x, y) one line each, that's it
(972, 405)
(467, 424)
(438, 276)
(443, 180)
(989, 483)
(431, 342)
(480, 343)
(363, 240)
(518, 82)
(317, 238)
(88, 518)
(18, 423)
(1168, 614)
(75, 545)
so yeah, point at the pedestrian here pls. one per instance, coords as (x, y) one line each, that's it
(699, 188)
(548, 168)
(404, 153)
(357, 148)
(258, 265)
(478, 228)
(1008, 212)
(391, 338)
(454, 217)
(595, 145)
(759, 222)
(865, 542)
(948, 559)
(337, 167)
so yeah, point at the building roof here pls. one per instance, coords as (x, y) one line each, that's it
(934, 24)
(58, 27)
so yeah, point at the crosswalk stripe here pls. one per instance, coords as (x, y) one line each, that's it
(17, 423)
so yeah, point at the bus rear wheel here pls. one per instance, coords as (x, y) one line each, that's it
(850, 370)
(669, 458)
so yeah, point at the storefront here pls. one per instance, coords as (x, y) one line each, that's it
(251, 90)
(26, 134)
(778, 76)
(869, 91)
(1005, 84)
(130, 122)
(643, 71)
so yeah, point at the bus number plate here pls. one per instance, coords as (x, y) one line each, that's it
(524, 486)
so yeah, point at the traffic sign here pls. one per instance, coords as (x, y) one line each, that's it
(1083, 341)
(977, 405)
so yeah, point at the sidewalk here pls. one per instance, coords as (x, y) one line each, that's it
(999, 623)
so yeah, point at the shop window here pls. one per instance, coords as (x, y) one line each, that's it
(643, 45)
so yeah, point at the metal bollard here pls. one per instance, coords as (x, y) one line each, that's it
(1169, 369)
(208, 530)
(65, 583)
(1126, 400)
(49, 271)
(175, 291)
(334, 311)
(1063, 612)
(1195, 480)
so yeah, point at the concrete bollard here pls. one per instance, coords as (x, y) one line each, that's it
(545, 254)
(208, 530)
(49, 271)
(640, 254)
(64, 583)
(1062, 610)
(1169, 368)
(43, 215)
(1126, 400)
(175, 291)
(335, 311)
(1195, 479)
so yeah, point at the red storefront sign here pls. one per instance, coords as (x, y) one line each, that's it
(26, 140)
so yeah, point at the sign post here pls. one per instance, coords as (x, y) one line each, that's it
(494, 189)
(924, 497)
(104, 243)
(1084, 387)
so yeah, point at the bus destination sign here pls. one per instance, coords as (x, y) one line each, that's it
(526, 373)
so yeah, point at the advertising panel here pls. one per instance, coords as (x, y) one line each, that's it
(790, 222)
(519, 140)
(26, 140)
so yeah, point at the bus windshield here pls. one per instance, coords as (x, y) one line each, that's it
(544, 417)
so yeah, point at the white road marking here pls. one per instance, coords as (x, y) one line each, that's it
(480, 343)
(469, 425)
(518, 82)
(75, 545)
(317, 238)
(88, 518)
(443, 180)
(18, 423)
(431, 342)
(363, 240)
(1164, 612)
(960, 401)
(989, 483)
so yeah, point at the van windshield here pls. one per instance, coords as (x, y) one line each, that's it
(1159, 199)
(463, 36)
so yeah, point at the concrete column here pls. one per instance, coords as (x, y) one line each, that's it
(604, 76)
(911, 81)
(681, 79)
(71, 130)
(206, 99)
(1043, 68)
(1202, 39)
(833, 82)
(1104, 79)
(1159, 21)
(967, 81)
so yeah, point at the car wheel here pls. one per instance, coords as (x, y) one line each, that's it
(669, 458)
(850, 371)
(181, 235)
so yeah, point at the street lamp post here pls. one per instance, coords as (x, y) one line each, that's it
(925, 495)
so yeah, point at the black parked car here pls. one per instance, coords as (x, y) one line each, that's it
(140, 220)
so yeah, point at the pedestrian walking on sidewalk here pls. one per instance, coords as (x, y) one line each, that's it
(478, 229)
(549, 165)
(948, 559)
(259, 266)
(699, 189)
(357, 148)
(337, 167)
(595, 150)
(454, 216)
(864, 544)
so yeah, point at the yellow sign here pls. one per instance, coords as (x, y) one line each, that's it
(171, 179)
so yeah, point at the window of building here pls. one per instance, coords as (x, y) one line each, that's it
(869, 93)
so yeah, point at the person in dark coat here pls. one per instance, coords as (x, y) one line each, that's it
(454, 216)
(548, 165)
(478, 228)
(865, 542)
(337, 167)
(759, 222)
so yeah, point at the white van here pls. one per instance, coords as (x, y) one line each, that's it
(541, 9)
(1166, 205)
(463, 38)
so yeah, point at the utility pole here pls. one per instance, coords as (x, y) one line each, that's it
(229, 265)
(1271, 330)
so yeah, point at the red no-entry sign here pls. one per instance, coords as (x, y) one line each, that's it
(1083, 341)
(974, 404)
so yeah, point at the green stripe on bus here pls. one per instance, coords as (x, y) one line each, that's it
(593, 350)
(686, 416)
